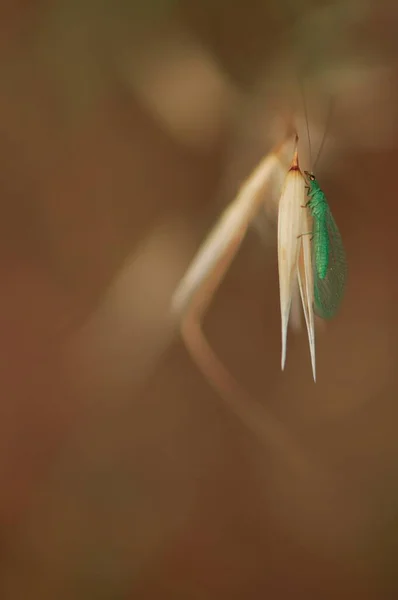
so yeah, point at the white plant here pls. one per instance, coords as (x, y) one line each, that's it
(294, 256)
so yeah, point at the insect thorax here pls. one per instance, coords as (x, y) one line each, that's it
(318, 204)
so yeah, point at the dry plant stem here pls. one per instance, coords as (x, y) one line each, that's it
(194, 295)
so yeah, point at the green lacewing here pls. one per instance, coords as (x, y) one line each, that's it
(328, 254)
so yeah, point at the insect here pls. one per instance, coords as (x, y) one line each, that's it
(328, 254)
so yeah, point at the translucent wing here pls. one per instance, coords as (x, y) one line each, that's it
(329, 292)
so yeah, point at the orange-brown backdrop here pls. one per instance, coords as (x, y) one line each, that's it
(125, 128)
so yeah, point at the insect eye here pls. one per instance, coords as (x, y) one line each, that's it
(312, 177)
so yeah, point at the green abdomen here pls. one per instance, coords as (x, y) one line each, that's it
(321, 250)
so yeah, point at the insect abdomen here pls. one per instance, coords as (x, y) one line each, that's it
(321, 241)
(319, 207)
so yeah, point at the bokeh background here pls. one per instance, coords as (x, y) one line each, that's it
(126, 128)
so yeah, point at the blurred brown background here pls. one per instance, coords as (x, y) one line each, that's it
(126, 127)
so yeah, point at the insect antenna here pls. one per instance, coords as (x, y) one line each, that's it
(330, 110)
(331, 106)
(306, 121)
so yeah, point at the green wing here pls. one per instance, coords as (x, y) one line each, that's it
(329, 292)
